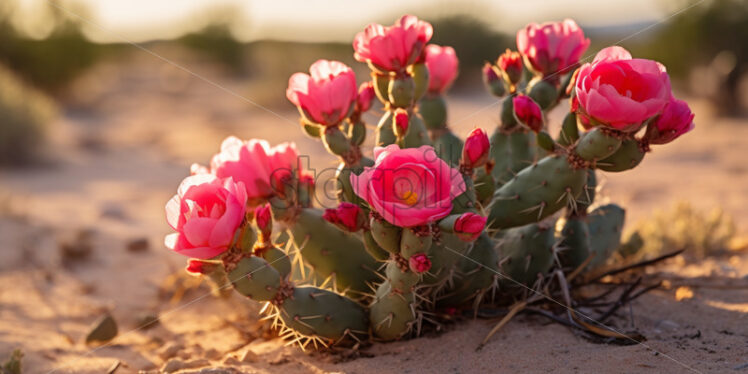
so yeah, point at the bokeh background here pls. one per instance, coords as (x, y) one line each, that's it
(104, 104)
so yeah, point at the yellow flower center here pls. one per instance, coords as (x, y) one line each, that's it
(409, 197)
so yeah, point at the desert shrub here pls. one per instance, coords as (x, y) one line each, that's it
(52, 62)
(699, 233)
(24, 117)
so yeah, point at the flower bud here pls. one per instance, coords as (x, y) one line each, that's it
(469, 226)
(330, 215)
(365, 97)
(492, 80)
(476, 149)
(200, 267)
(347, 216)
(419, 263)
(401, 120)
(676, 119)
(264, 222)
(510, 63)
(527, 112)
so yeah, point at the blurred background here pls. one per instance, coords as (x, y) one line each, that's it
(81, 55)
(104, 104)
(85, 77)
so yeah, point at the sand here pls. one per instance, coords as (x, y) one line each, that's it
(127, 136)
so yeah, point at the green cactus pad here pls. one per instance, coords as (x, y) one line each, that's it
(587, 197)
(433, 110)
(381, 85)
(254, 278)
(511, 152)
(331, 251)
(596, 145)
(535, 193)
(484, 185)
(393, 310)
(628, 156)
(385, 135)
(401, 91)
(357, 132)
(343, 178)
(373, 247)
(411, 243)
(335, 141)
(314, 311)
(575, 243)
(605, 225)
(417, 134)
(385, 234)
(525, 253)
(392, 315)
(449, 147)
(444, 256)
(420, 74)
(507, 113)
(398, 281)
(569, 133)
(633, 244)
(477, 271)
(466, 201)
(277, 259)
(543, 93)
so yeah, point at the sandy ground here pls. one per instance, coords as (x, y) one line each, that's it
(126, 139)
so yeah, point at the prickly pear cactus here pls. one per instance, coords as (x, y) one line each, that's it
(605, 226)
(427, 224)
(525, 254)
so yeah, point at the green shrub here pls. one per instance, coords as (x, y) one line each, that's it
(684, 227)
(24, 116)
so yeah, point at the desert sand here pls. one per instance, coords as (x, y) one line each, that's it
(126, 137)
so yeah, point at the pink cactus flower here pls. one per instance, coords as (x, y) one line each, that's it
(553, 47)
(528, 112)
(365, 96)
(676, 119)
(510, 62)
(327, 95)
(469, 226)
(419, 263)
(346, 215)
(476, 149)
(198, 169)
(392, 48)
(255, 164)
(205, 212)
(621, 92)
(442, 64)
(409, 187)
